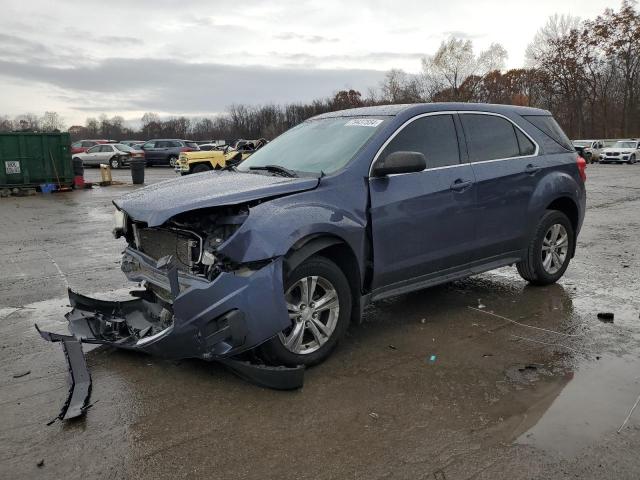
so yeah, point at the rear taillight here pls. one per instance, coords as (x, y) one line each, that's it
(582, 168)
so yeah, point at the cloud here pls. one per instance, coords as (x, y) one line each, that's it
(463, 35)
(367, 57)
(177, 86)
(305, 38)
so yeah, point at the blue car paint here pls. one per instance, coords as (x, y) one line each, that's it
(375, 217)
(157, 203)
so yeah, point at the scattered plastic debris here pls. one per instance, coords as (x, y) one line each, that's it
(392, 347)
(374, 415)
(480, 304)
(21, 374)
(40, 463)
(606, 317)
(424, 320)
(432, 358)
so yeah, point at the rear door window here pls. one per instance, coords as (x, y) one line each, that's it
(434, 136)
(489, 137)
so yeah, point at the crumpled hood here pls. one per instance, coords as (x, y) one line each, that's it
(159, 202)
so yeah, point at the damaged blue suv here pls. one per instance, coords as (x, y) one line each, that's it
(277, 256)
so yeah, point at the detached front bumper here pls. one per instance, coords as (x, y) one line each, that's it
(207, 320)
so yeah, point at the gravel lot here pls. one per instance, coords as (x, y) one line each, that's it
(501, 400)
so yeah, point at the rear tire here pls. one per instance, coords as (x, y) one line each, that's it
(549, 251)
(114, 162)
(319, 301)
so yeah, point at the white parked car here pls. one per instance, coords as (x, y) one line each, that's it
(115, 155)
(623, 151)
(590, 149)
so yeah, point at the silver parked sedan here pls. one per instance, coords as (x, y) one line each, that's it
(115, 155)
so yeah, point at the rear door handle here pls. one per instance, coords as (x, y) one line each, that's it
(459, 185)
(532, 169)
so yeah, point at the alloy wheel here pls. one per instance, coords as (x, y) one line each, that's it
(314, 309)
(555, 248)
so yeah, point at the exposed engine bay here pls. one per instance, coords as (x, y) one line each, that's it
(192, 238)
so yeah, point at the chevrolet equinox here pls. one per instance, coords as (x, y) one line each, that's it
(277, 255)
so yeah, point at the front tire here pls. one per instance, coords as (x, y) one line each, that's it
(201, 167)
(319, 302)
(549, 251)
(632, 159)
(173, 161)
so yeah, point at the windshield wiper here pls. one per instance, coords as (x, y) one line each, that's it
(277, 169)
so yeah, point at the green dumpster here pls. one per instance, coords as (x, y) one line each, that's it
(31, 159)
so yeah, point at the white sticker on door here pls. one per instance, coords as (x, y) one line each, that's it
(363, 122)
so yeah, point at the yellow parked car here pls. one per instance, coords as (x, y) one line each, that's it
(203, 161)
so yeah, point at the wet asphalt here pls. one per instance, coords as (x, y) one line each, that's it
(485, 378)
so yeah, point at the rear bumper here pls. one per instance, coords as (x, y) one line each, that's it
(208, 320)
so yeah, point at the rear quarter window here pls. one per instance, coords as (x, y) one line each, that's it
(548, 125)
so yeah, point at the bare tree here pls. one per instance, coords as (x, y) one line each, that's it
(51, 122)
(557, 26)
(455, 63)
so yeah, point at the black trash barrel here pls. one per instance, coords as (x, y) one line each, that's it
(78, 168)
(137, 171)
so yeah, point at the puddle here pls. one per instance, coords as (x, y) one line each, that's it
(592, 405)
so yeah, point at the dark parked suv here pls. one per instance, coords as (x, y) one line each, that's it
(277, 255)
(166, 151)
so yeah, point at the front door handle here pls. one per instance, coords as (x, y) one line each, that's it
(532, 169)
(459, 185)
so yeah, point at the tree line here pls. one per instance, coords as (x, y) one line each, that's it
(586, 72)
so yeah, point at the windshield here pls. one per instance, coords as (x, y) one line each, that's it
(624, 145)
(316, 146)
(581, 144)
(123, 148)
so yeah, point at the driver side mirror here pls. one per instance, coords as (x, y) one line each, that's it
(399, 162)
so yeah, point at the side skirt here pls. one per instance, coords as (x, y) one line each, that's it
(444, 276)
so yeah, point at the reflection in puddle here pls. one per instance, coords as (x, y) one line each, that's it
(594, 403)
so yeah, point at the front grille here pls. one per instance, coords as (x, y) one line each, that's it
(158, 243)
(613, 154)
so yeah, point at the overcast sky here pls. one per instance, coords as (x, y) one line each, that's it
(195, 57)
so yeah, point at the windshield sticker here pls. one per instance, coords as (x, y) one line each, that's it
(363, 122)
